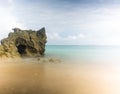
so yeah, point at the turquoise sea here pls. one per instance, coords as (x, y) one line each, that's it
(78, 53)
(80, 70)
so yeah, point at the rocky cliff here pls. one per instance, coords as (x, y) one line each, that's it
(24, 43)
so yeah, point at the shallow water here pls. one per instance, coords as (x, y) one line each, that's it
(81, 70)
(77, 53)
(47, 78)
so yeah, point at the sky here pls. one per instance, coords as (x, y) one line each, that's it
(67, 22)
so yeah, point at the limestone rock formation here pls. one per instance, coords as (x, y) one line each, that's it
(21, 43)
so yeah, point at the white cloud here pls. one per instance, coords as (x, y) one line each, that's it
(53, 36)
(76, 37)
(56, 38)
(93, 25)
(10, 1)
(81, 35)
(7, 21)
(102, 24)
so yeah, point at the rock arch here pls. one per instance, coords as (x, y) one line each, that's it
(24, 43)
(20, 43)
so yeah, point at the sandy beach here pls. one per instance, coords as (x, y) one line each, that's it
(58, 78)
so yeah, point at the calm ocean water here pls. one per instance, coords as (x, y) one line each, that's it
(109, 54)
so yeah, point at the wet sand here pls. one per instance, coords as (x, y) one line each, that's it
(60, 78)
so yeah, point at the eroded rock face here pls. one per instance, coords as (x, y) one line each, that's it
(21, 43)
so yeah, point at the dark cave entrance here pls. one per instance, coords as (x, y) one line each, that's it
(21, 49)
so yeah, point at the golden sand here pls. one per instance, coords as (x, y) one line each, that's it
(22, 77)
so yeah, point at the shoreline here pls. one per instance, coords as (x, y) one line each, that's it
(49, 78)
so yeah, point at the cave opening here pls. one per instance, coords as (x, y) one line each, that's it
(21, 49)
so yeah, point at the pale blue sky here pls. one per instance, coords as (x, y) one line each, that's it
(78, 22)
